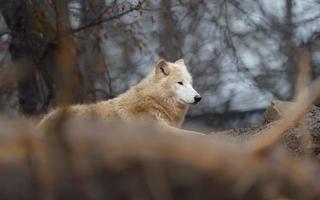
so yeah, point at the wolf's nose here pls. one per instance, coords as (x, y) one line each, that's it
(197, 98)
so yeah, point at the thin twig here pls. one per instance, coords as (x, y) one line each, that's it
(99, 21)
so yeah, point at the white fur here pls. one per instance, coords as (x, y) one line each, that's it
(184, 93)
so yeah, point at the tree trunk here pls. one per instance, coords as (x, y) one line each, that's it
(24, 51)
(43, 51)
(290, 48)
(169, 38)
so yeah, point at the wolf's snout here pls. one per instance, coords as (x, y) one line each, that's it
(197, 98)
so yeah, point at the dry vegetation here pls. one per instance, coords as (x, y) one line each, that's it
(98, 160)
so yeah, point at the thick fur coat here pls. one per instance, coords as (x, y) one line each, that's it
(163, 96)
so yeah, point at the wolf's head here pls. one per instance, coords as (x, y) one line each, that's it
(175, 81)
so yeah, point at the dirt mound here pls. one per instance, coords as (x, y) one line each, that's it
(293, 138)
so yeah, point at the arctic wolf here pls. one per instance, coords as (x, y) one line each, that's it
(163, 96)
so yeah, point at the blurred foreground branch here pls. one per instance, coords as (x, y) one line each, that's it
(126, 161)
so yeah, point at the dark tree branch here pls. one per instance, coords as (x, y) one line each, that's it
(101, 20)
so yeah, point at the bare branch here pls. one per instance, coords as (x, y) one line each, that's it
(101, 20)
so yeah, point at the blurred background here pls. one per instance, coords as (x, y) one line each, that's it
(242, 54)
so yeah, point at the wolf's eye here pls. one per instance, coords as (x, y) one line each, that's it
(180, 83)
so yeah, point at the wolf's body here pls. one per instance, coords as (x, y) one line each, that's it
(163, 96)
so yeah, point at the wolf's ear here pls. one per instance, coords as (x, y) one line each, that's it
(162, 66)
(180, 61)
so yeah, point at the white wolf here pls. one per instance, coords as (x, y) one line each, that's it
(163, 96)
